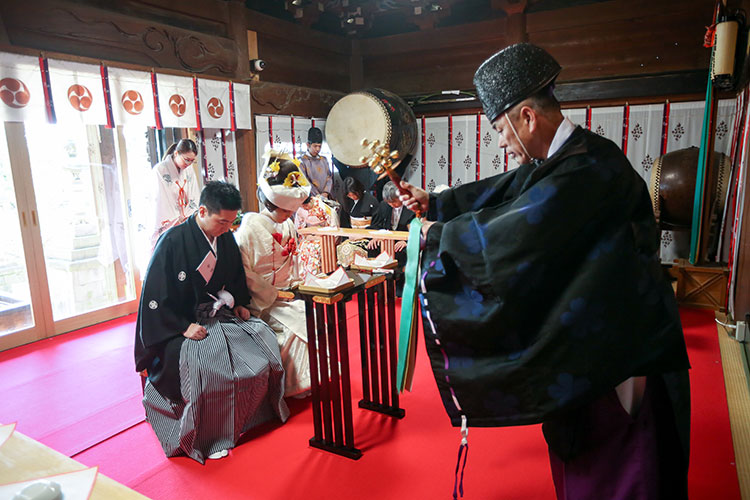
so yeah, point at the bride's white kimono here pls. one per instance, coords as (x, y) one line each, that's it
(269, 256)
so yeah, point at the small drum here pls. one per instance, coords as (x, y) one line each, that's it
(370, 114)
(672, 187)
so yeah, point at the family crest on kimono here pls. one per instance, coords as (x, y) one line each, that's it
(214, 371)
(268, 242)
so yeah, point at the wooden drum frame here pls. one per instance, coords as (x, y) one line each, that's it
(372, 114)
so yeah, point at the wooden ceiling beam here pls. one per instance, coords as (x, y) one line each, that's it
(439, 39)
(510, 7)
(271, 26)
(600, 13)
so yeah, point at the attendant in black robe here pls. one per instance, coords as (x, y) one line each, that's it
(359, 204)
(544, 300)
(213, 370)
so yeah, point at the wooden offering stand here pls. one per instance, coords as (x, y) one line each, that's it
(327, 343)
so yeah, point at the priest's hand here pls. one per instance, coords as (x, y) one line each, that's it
(400, 245)
(195, 332)
(418, 200)
(242, 313)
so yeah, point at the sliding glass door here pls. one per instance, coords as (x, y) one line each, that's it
(67, 259)
(16, 312)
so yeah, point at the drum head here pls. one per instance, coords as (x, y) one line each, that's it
(355, 117)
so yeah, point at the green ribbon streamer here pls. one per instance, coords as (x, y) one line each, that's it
(407, 327)
(701, 174)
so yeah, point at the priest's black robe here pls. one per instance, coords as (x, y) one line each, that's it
(542, 290)
(172, 290)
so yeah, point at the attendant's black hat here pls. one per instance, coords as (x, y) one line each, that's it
(314, 136)
(512, 75)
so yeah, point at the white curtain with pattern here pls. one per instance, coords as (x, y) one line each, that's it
(436, 152)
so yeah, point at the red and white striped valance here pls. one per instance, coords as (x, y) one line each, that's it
(132, 97)
(176, 102)
(21, 90)
(77, 93)
(101, 95)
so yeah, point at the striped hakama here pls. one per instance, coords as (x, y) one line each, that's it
(231, 381)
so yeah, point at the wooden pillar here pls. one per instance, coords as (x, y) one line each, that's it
(516, 21)
(247, 169)
(3, 33)
(237, 30)
(252, 52)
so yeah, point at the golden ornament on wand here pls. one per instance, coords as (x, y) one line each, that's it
(381, 162)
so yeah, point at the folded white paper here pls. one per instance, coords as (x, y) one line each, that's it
(379, 261)
(337, 278)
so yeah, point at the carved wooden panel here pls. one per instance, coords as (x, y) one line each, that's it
(274, 98)
(93, 32)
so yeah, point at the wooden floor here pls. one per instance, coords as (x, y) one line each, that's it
(737, 382)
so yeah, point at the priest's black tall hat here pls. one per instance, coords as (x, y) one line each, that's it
(512, 75)
(314, 136)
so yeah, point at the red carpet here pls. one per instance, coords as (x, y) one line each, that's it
(713, 473)
(73, 391)
(411, 458)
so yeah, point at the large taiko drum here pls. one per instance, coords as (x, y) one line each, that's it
(370, 114)
(672, 187)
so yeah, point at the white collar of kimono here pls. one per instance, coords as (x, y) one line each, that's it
(564, 131)
(211, 243)
(288, 198)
